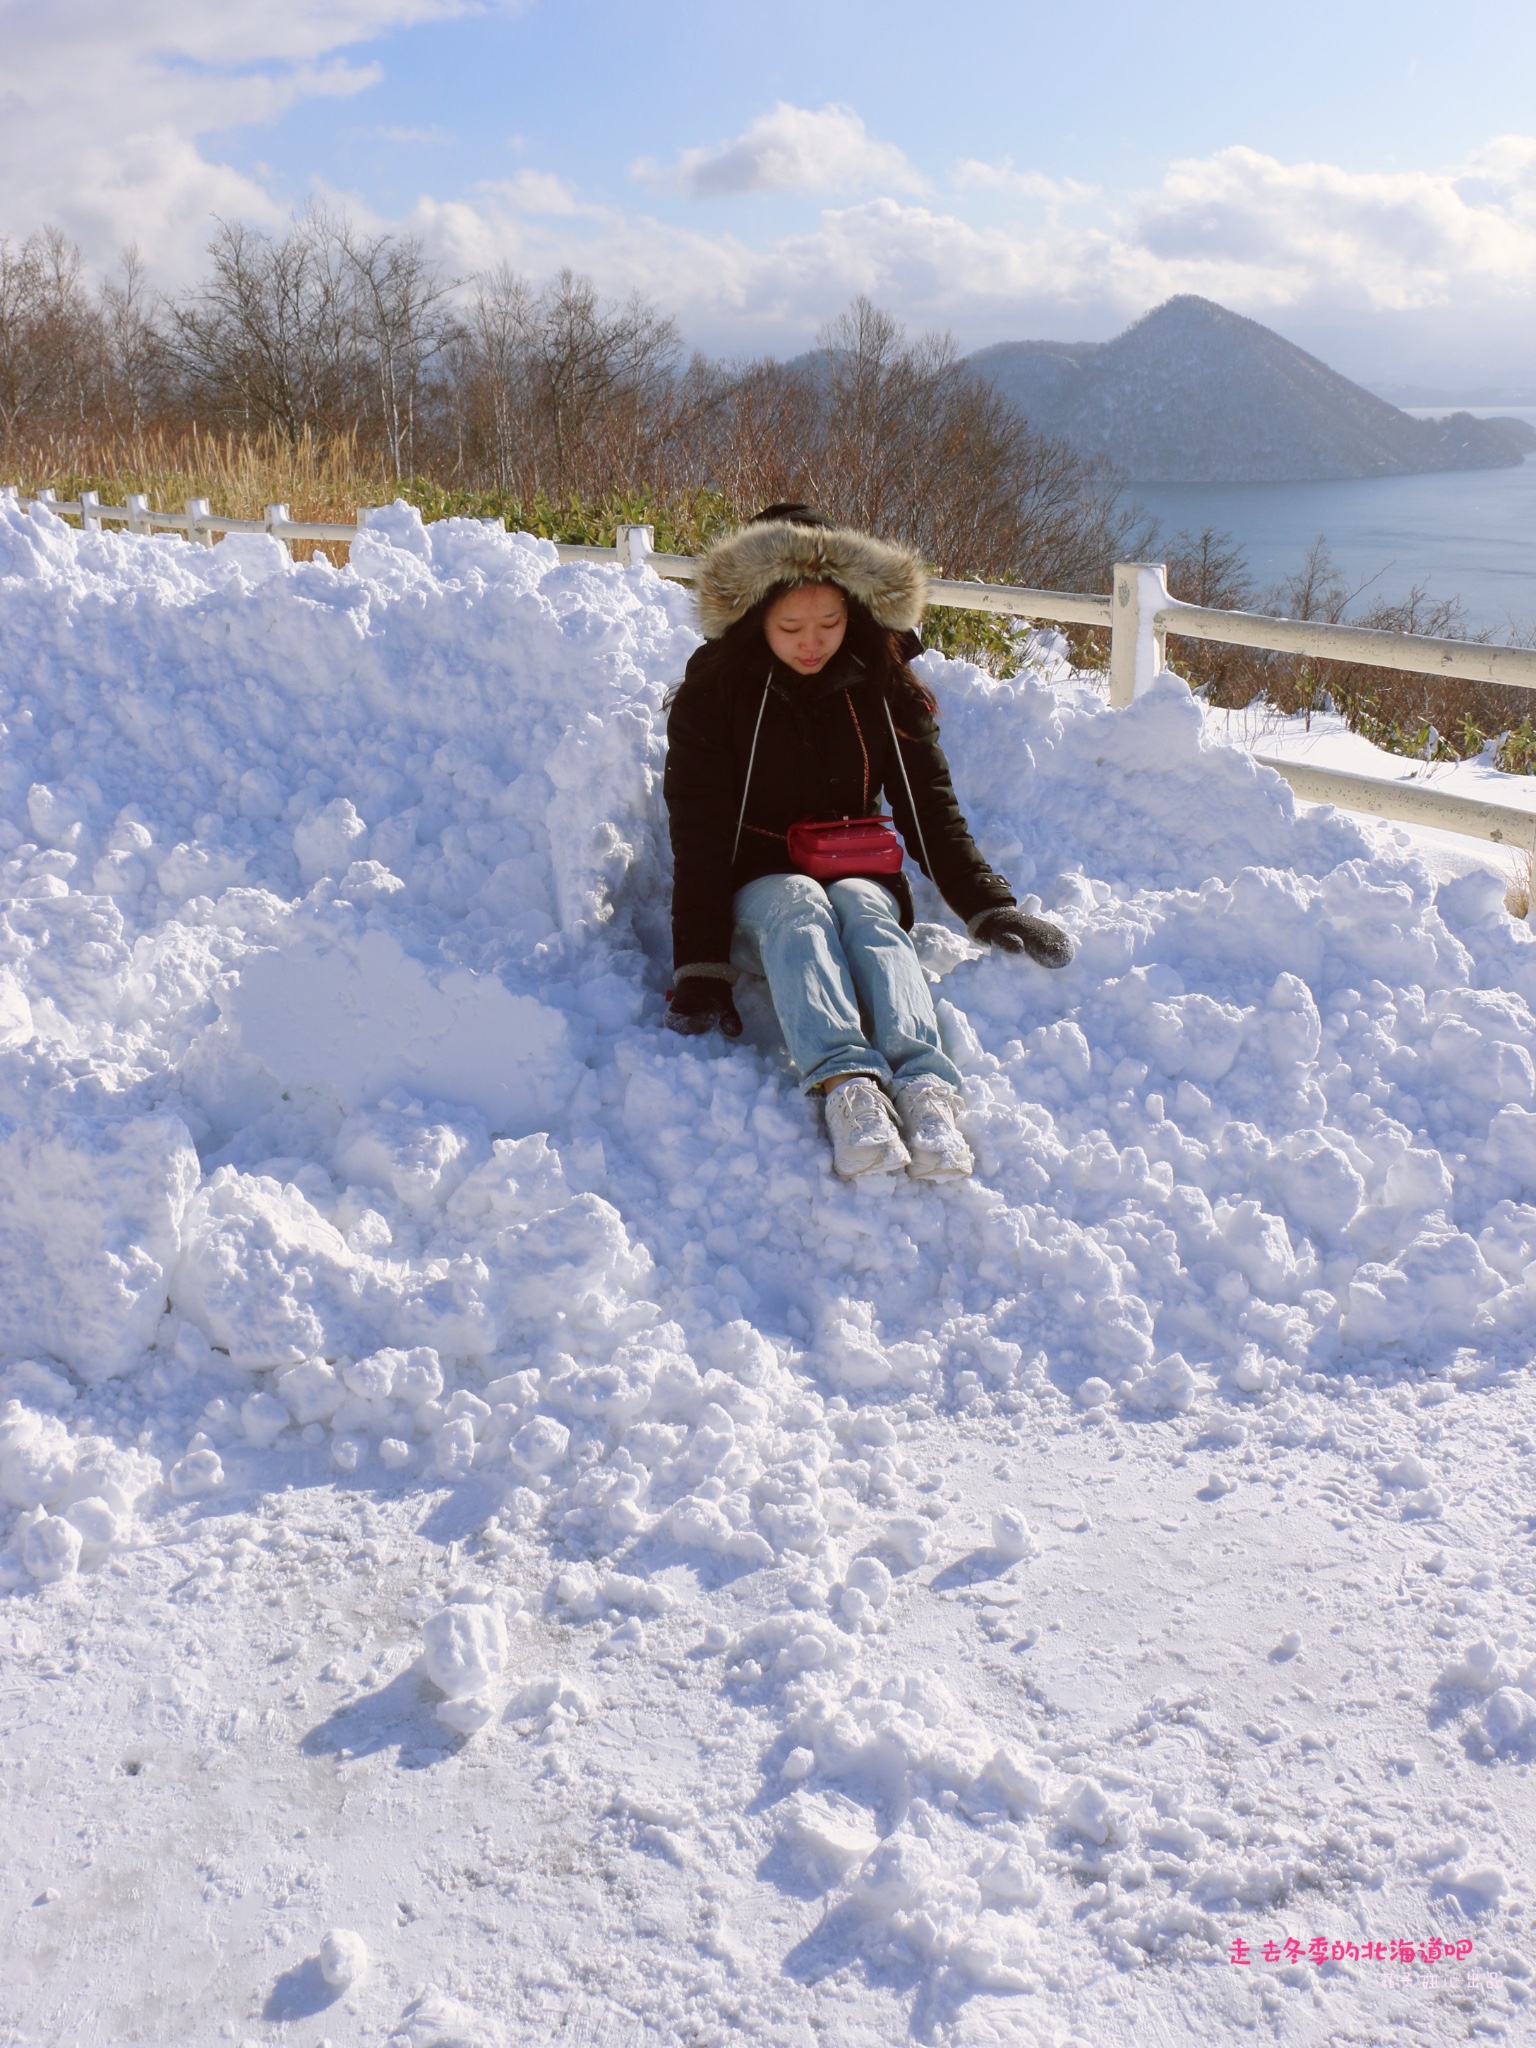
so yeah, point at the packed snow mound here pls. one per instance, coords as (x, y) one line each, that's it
(338, 1136)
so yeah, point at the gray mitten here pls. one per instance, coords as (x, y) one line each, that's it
(1014, 931)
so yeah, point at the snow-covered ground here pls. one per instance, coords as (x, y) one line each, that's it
(1325, 741)
(476, 1487)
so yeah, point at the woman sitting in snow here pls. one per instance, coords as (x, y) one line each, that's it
(800, 711)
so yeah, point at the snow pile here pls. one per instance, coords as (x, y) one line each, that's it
(337, 1138)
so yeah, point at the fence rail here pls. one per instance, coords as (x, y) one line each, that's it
(1410, 803)
(1471, 661)
(632, 544)
(1140, 614)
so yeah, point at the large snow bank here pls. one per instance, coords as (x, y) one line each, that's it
(335, 1125)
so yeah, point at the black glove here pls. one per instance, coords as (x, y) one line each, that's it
(1015, 931)
(700, 1002)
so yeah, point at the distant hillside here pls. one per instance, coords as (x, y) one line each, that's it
(1195, 394)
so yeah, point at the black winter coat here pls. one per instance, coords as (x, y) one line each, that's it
(824, 751)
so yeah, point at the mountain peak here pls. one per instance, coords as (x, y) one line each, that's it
(1195, 393)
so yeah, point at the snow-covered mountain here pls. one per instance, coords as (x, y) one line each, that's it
(1195, 394)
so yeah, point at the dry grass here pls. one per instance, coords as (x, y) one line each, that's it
(1517, 890)
(240, 477)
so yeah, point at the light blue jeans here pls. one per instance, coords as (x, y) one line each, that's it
(845, 979)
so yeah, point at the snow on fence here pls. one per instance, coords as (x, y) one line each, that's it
(1140, 615)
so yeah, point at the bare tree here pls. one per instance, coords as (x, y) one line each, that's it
(400, 324)
(1317, 590)
(50, 336)
(1210, 568)
(487, 389)
(134, 346)
(320, 331)
(266, 343)
(562, 391)
(600, 373)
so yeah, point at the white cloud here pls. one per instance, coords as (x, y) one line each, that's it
(1257, 234)
(535, 192)
(1423, 274)
(103, 105)
(790, 149)
(1280, 234)
(427, 137)
(971, 174)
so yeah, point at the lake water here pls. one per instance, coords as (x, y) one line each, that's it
(1465, 533)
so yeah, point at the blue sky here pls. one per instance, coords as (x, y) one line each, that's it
(1361, 176)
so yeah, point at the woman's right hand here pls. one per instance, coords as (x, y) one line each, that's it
(699, 1003)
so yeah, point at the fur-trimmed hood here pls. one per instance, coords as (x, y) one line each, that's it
(739, 571)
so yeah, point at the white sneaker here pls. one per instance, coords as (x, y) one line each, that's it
(862, 1129)
(927, 1110)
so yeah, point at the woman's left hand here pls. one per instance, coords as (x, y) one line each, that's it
(1015, 931)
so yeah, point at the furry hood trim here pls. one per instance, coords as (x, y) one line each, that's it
(739, 571)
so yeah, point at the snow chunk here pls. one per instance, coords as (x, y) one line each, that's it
(37, 1457)
(327, 841)
(312, 1391)
(853, 1352)
(1478, 1890)
(1479, 1669)
(832, 1834)
(1012, 1537)
(395, 1147)
(551, 1697)
(91, 1215)
(199, 1472)
(93, 1517)
(343, 1958)
(263, 1418)
(50, 1549)
(910, 1538)
(541, 1444)
(466, 1716)
(435, 2020)
(1169, 1387)
(1085, 1810)
(868, 1577)
(465, 1647)
(1508, 1717)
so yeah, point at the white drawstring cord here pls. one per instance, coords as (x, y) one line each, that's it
(922, 845)
(746, 786)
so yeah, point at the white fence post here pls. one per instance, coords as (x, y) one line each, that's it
(46, 496)
(137, 506)
(633, 543)
(197, 513)
(90, 511)
(276, 516)
(1136, 641)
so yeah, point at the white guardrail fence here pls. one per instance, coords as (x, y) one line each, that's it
(1140, 615)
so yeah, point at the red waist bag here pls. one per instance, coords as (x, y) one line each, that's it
(827, 849)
